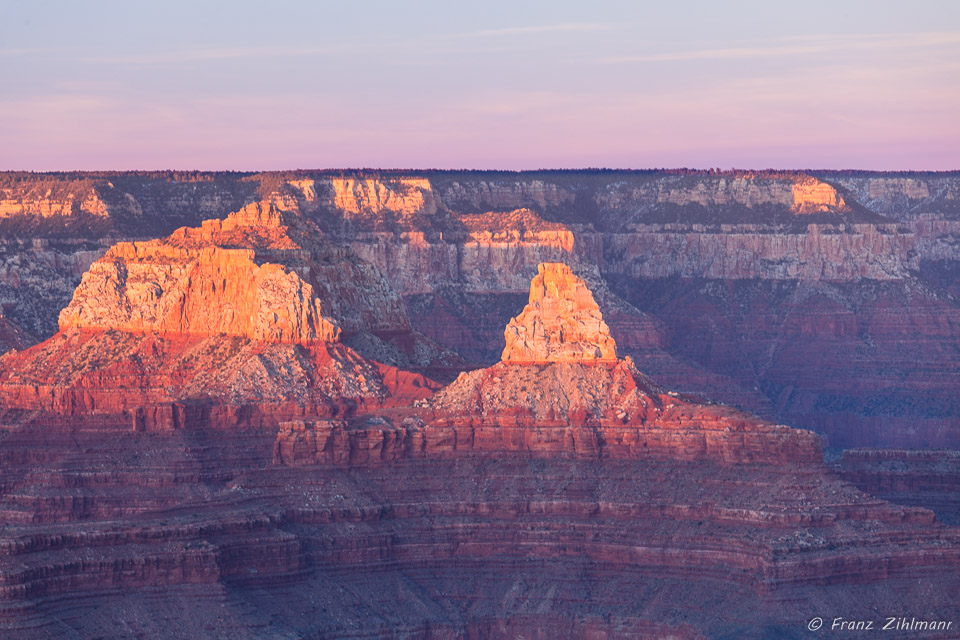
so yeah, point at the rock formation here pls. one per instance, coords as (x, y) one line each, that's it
(403, 196)
(157, 473)
(245, 310)
(560, 372)
(712, 271)
(561, 322)
(813, 196)
(194, 286)
(150, 287)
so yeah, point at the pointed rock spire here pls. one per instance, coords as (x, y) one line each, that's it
(561, 322)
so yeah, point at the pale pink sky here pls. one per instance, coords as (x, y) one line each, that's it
(250, 85)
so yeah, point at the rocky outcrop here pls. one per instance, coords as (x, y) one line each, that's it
(150, 287)
(794, 193)
(78, 198)
(230, 312)
(561, 322)
(559, 373)
(460, 247)
(905, 196)
(813, 196)
(404, 197)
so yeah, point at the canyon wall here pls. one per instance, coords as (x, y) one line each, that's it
(154, 475)
(369, 526)
(826, 300)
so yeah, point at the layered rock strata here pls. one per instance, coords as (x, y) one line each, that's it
(461, 246)
(560, 372)
(929, 479)
(567, 495)
(245, 310)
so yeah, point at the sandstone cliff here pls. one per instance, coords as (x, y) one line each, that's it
(561, 322)
(237, 311)
(799, 194)
(151, 287)
(905, 196)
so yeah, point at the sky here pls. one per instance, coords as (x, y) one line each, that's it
(489, 85)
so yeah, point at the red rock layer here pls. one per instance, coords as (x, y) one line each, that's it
(145, 376)
(559, 374)
(929, 479)
(681, 432)
(485, 539)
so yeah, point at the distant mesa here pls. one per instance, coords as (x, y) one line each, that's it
(813, 196)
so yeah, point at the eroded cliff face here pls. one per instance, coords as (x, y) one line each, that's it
(561, 322)
(240, 311)
(81, 198)
(906, 197)
(149, 475)
(376, 532)
(800, 194)
(153, 288)
(460, 248)
(131, 203)
(403, 196)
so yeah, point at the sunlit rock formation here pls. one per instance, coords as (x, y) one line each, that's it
(245, 310)
(561, 322)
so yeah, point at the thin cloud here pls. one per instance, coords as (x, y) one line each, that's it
(817, 45)
(22, 52)
(208, 55)
(235, 53)
(531, 30)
